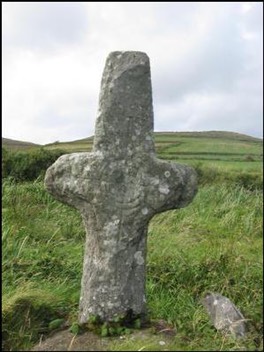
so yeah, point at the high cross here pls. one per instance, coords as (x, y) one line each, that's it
(118, 188)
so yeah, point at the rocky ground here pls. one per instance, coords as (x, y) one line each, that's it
(64, 340)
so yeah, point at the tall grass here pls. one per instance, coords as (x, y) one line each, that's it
(215, 244)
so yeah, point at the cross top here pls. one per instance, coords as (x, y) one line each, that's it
(118, 188)
(125, 117)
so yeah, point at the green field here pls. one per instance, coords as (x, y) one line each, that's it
(214, 244)
(189, 145)
(223, 151)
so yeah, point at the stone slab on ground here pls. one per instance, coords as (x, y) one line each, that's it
(89, 341)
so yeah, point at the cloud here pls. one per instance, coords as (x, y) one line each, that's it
(49, 94)
(206, 64)
(216, 84)
(211, 61)
(44, 26)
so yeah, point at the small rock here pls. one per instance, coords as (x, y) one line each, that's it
(224, 314)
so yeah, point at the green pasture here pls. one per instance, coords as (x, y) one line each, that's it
(213, 245)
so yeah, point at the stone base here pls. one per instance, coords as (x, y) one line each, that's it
(159, 334)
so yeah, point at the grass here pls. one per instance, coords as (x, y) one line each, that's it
(233, 153)
(214, 244)
(224, 146)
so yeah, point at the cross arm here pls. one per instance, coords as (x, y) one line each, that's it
(68, 178)
(170, 186)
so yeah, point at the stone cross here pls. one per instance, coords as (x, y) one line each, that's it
(118, 188)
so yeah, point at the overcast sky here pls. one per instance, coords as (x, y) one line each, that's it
(206, 64)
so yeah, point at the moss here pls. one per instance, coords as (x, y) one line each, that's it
(119, 325)
(75, 328)
(55, 324)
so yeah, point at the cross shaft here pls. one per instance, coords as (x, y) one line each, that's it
(118, 188)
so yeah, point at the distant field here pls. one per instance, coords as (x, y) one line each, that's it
(224, 150)
(71, 147)
(212, 146)
(220, 165)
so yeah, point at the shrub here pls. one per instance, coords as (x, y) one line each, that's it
(249, 181)
(249, 158)
(211, 175)
(28, 166)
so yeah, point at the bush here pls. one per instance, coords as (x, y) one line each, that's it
(28, 166)
(249, 181)
(211, 175)
(249, 158)
(206, 175)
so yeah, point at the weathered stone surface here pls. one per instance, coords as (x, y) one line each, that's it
(88, 341)
(224, 314)
(118, 188)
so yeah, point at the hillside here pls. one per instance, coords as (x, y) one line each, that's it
(228, 149)
(15, 144)
(215, 148)
(212, 134)
(158, 137)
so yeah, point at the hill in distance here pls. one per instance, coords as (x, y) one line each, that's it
(212, 134)
(220, 149)
(12, 143)
(158, 137)
(202, 134)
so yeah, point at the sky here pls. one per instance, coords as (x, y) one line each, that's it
(206, 63)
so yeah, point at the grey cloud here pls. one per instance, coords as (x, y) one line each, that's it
(213, 64)
(205, 73)
(45, 25)
(232, 112)
(178, 16)
(221, 63)
(253, 19)
(80, 119)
